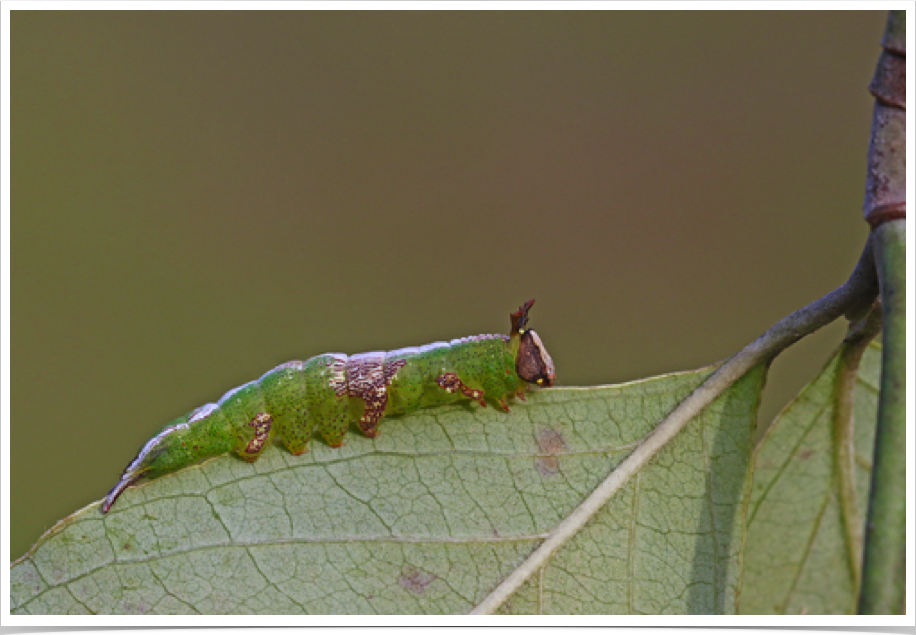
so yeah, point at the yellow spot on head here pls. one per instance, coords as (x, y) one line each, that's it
(540, 381)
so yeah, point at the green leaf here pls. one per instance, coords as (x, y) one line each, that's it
(797, 559)
(428, 517)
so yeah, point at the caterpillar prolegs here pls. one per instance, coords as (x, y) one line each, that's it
(328, 392)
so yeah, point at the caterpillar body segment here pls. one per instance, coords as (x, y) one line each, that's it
(327, 393)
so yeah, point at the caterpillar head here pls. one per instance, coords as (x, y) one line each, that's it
(532, 361)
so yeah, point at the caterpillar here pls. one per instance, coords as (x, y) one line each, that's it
(329, 392)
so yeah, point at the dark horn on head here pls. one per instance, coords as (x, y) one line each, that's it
(520, 318)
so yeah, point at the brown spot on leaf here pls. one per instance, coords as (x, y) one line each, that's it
(415, 580)
(804, 456)
(551, 443)
(548, 465)
(136, 608)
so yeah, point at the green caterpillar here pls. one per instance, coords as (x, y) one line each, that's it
(329, 391)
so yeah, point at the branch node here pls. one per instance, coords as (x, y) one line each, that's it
(884, 213)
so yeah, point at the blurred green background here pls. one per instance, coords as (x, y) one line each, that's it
(199, 196)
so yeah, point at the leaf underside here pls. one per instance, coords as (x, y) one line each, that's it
(428, 518)
(797, 558)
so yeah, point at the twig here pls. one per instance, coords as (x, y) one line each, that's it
(884, 565)
(883, 573)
